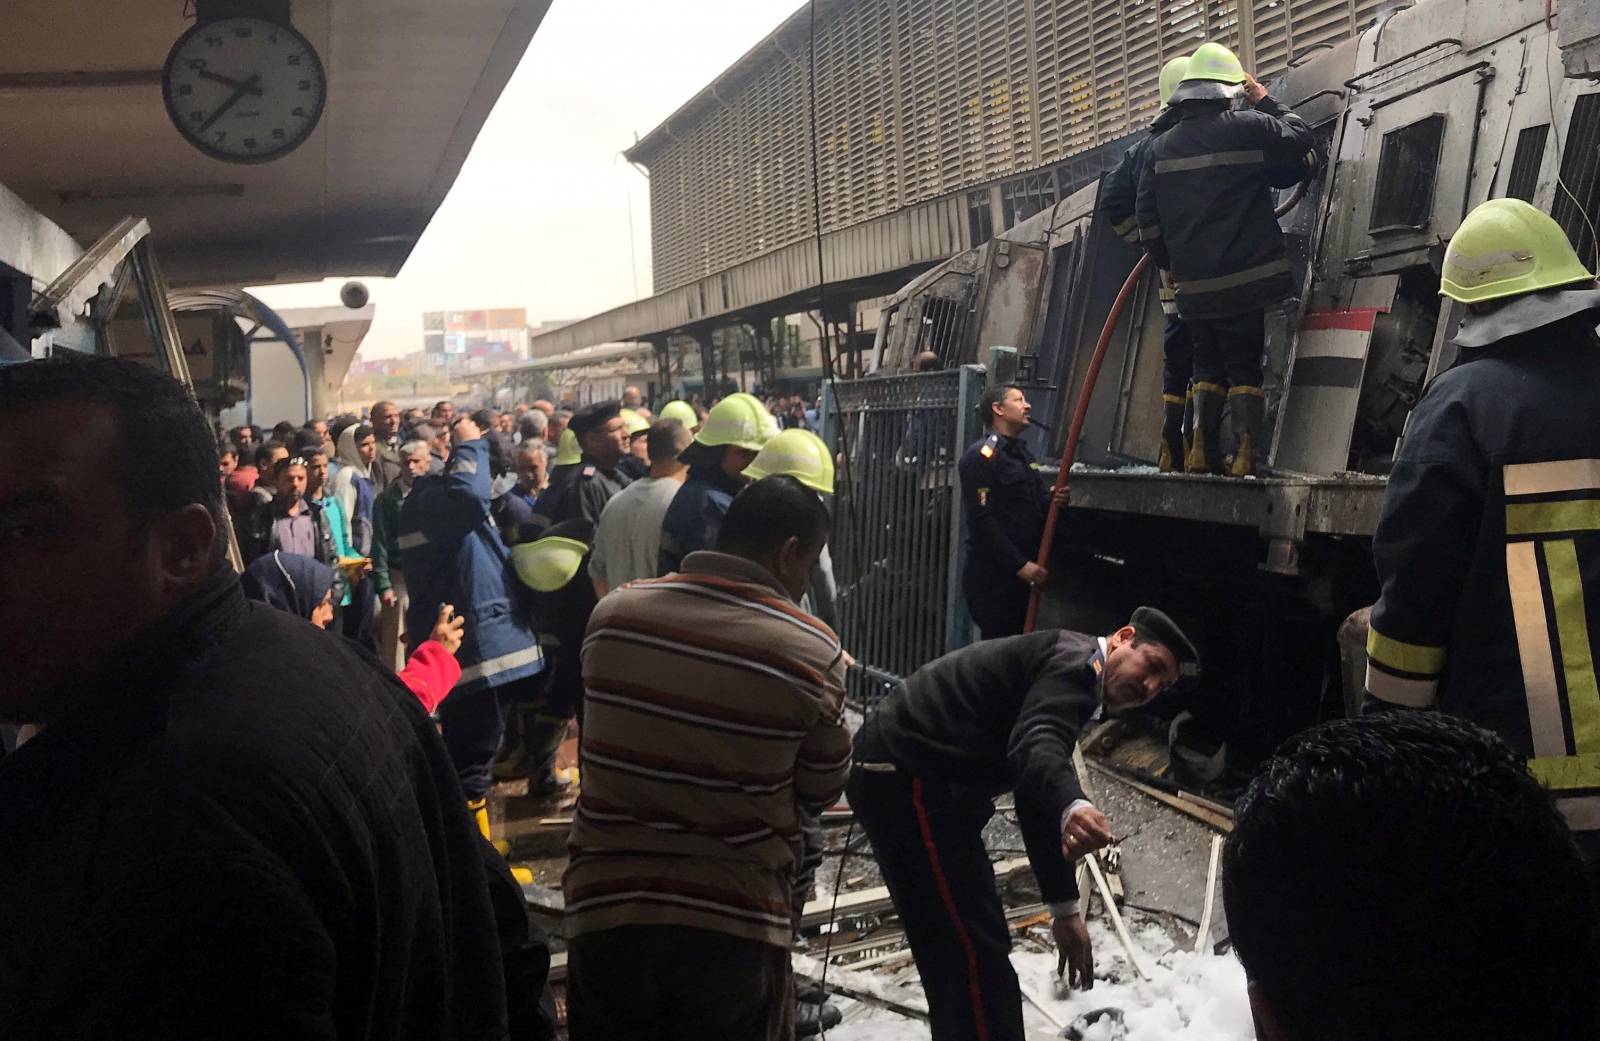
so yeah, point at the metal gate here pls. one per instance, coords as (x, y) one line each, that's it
(897, 536)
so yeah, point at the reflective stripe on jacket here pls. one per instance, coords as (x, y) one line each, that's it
(1488, 550)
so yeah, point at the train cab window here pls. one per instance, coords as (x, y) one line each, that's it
(1577, 201)
(1407, 166)
(1526, 163)
(980, 218)
(1023, 197)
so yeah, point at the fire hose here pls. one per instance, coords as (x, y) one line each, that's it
(1091, 375)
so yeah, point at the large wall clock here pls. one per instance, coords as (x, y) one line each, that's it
(243, 89)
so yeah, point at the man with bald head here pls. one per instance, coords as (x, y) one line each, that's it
(230, 824)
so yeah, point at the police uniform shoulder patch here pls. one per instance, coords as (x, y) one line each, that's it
(991, 445)
(588, 470)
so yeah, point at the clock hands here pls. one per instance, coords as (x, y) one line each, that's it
(230, 81)
(246, 87)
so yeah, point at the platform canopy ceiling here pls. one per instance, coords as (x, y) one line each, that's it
(85, 138)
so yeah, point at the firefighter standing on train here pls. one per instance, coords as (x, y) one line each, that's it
(1003, 504)
(1118, 199)
(1206, 216)
(1488, 548)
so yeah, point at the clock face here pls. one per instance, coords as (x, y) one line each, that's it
(244, 90)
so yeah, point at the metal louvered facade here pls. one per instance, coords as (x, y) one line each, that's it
(918, 99)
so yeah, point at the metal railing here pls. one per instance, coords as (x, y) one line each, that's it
(897, 539)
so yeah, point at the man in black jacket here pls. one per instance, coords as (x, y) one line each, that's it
(1003, 506)
(1206, 215)
(1001, 715)
(230, 824)
(603, 437)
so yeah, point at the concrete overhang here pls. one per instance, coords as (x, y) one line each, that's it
(336, 331)
(872, 258)
(575, 360)
(87, 140)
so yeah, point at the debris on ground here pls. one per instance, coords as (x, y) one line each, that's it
(1191, 997)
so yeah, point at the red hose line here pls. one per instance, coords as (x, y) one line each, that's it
(1076, 430)
(1089, 378)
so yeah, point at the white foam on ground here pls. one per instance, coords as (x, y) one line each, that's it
(1191, 997)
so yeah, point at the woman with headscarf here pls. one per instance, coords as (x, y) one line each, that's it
(303, 586)
(352, 486)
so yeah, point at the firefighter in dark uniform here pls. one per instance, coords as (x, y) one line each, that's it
(554, 567)
(997, 716)
(602, 438)
(1488, 547)
(734, 432)
(1119, 194)
(562, 467)
(1206, 216)
(1003, 503)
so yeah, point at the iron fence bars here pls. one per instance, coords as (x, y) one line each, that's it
(897, 530)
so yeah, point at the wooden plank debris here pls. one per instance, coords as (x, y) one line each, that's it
(1019, 918)
(1211, 895)
(868, 901)
(1116, 919)
(862, 986)
(1044, 1010)
(1182, 802)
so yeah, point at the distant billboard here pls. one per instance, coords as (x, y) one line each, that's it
(508, 318)
(466, 321)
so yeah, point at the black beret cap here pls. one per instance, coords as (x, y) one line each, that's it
(1151, 624)
(593, 417)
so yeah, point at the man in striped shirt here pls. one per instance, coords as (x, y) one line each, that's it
(714, 720)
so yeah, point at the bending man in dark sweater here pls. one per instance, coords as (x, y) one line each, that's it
(1001, 715)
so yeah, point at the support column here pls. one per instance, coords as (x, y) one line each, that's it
(708, 364)
(663, 371)
(853, 347)
(766, 355)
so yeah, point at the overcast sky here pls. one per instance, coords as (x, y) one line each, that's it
(538, 217)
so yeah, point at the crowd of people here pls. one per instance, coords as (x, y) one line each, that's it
(257, 801)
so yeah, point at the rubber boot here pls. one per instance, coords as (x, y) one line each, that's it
(1249, 409)
(1188, 420)
(1205, 457)
(542, 737)
(1172, 453)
